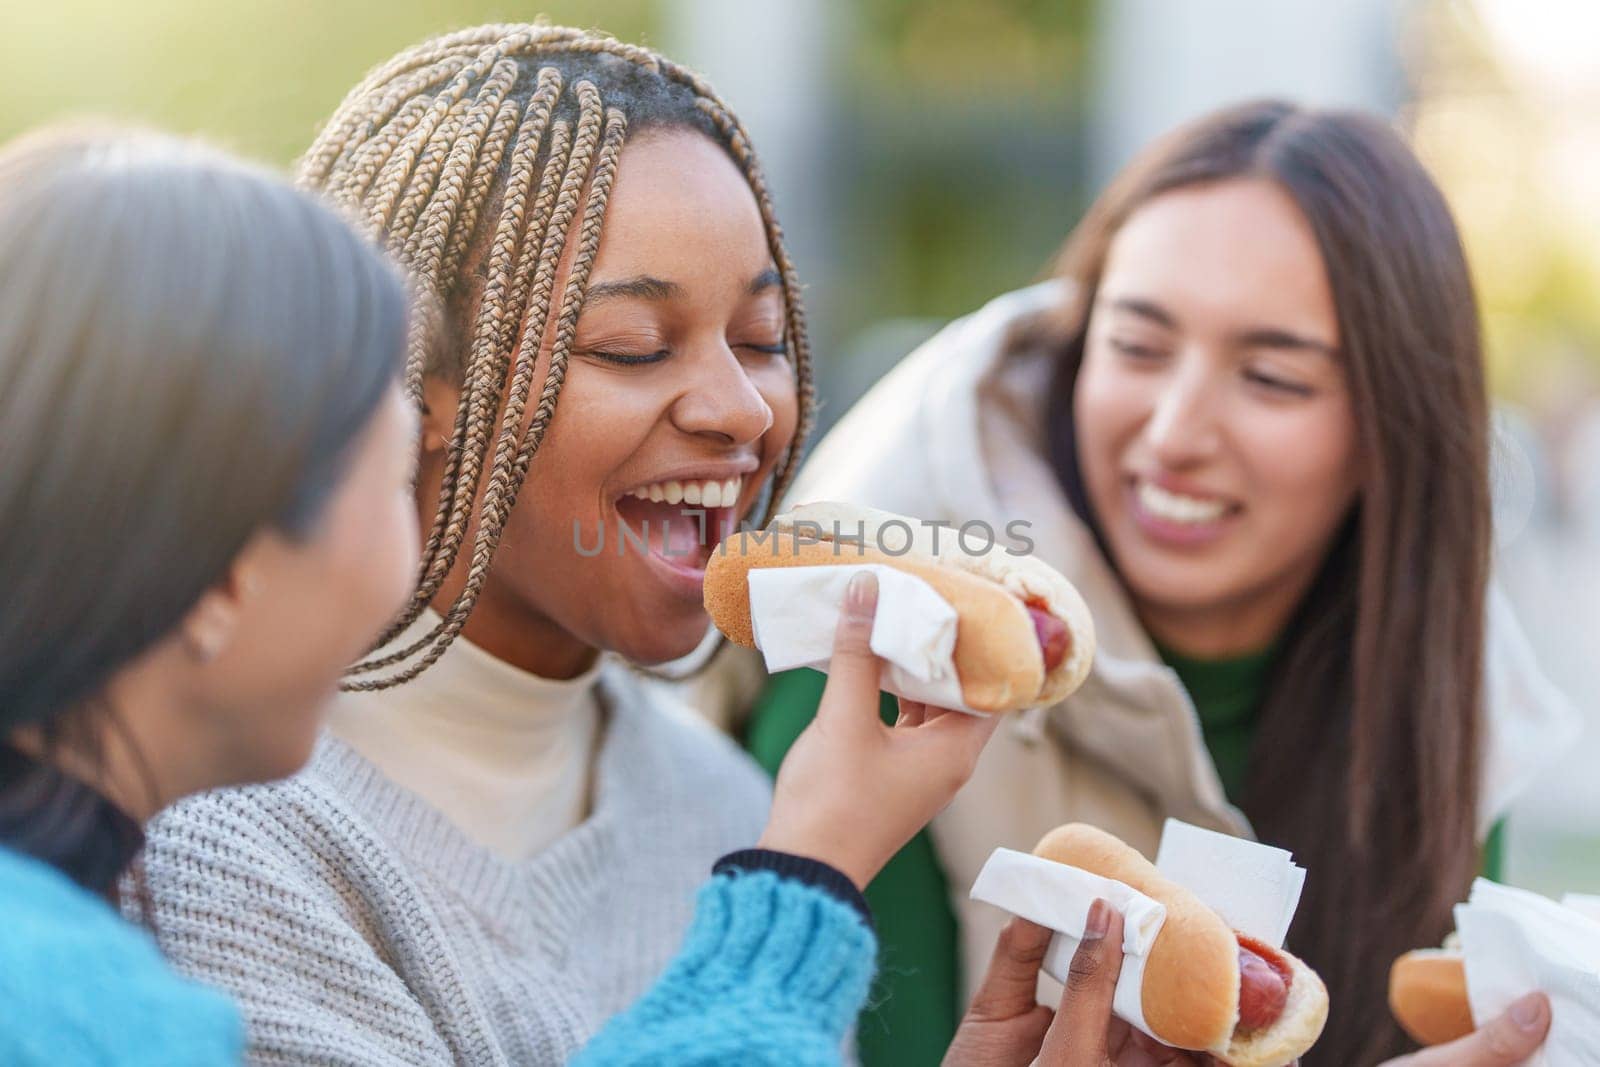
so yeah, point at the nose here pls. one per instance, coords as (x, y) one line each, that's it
(720, 400)
(1185, 422)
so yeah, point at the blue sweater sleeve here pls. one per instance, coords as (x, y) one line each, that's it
(773, 971)
(79, 985)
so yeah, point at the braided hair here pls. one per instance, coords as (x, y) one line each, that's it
(478, 158)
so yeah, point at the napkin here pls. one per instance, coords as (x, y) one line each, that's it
(1513, 942)
(1057, 896)
(1255, 887)
(795, 611)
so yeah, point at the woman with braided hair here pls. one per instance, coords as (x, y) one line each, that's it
(496, 846)
(209, 364)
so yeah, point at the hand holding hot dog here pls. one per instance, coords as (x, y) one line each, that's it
(1005, 1028)
(852, 791)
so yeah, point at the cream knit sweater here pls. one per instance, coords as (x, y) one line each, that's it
(355, 924)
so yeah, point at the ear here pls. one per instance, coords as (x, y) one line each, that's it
(212, 623)
(439, 402)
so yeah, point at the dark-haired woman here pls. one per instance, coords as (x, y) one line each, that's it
(1249, 421)
(204, 433)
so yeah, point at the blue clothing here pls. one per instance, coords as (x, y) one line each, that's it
(79, 985)
(773, 971)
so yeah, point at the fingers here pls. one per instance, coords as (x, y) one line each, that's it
(852, 689)
(1506, 1040)
(1012, 980)
(960, 730)
(1077, 1038)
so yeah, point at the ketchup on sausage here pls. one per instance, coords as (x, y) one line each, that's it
(1263, 984)
(1052, 634)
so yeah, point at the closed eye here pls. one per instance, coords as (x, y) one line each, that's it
(1278, 385)
(771, 350)
(629, 359)
(1135, 351)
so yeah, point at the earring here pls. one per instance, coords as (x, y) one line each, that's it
(206, 647)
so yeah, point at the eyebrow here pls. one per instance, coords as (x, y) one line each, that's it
(1283, 339)
(643, 287)
(1260, 337)
(1146, 309)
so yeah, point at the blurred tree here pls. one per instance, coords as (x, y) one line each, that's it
(256, 75)
(1514, 152)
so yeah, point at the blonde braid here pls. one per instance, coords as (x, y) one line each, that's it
(503, 486)
(510, 257)
(417, 151)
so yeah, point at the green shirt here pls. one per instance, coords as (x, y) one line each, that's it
(916, 1000)
(1226, 694)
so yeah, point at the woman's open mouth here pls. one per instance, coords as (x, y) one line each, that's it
(679, 523)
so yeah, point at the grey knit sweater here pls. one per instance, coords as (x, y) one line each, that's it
(356, 925)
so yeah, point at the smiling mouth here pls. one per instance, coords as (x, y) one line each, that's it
(1180, 509)
(681, 522)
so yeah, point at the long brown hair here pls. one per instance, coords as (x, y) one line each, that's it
(477, 157)
(1366, 756)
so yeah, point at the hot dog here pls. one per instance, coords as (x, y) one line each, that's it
(1428, 996)
(1206, 987)
(1023, 634)
(1264, 981)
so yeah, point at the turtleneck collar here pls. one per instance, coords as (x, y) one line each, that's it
(505, 754)
(61, 820)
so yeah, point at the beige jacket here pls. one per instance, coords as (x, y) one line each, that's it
(954, 433)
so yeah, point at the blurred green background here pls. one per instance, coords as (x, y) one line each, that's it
(929, 154)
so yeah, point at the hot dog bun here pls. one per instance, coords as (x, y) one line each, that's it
(997, 653)
(1428, 996)
(1190, 997)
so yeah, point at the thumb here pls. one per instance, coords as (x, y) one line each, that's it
(853, 670)
(1504, 1041)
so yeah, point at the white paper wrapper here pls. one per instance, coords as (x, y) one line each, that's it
(1055, 895)
(1256, 888)
(1514, 942)
(1583, 903)
(795, 611)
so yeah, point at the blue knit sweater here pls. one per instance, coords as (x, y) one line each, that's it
(80, 986)
(773, 972)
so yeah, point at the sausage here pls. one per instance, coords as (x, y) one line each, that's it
(1053, 635)
(1263, 985)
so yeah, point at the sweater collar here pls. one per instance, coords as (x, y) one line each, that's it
(61, 820)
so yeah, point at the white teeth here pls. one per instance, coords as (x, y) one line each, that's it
(707, 494)
(1175, 507)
